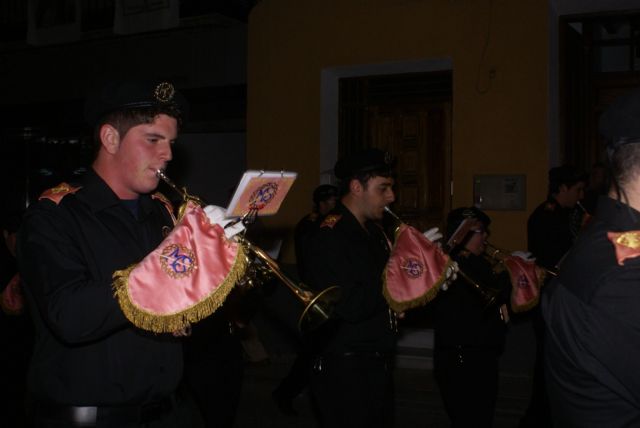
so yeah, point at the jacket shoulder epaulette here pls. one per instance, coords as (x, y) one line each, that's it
(331, 220)
(55, 194)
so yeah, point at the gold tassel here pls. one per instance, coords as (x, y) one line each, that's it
(175, 322)
(417, 302)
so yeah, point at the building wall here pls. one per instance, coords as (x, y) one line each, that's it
(191, 57)
(499, 55)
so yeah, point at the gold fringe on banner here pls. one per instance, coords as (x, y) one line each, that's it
(414, 303)
(169, 323)
(422, 300)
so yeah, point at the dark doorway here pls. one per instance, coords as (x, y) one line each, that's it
(599, 60)
(408, 115)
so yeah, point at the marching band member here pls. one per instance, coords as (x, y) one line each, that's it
(91, 366)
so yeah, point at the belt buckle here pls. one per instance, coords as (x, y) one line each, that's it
(84, 415)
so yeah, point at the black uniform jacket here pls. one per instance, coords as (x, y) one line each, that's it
(304, 230)
(343, 253)
(86, 352)
(549, 233)
(462, 316)
(592, 348)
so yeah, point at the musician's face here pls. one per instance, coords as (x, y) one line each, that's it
(477, 241)
(139, 153)
(568, 197)
(327, 205)
(377, 194)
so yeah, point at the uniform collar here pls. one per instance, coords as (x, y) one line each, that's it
(620, 215)
(351, 220)
(99, 196)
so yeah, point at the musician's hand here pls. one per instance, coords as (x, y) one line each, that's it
(216, 215)
(504, 313)
(450, 275)
(433, 235)
(524, 255)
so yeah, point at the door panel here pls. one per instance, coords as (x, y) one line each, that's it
(419, 140)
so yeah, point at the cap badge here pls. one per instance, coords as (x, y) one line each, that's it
(388, 158)
(164, 92)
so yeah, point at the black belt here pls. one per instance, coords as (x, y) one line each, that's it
(86, 416)
(319, 361)
(366, 354)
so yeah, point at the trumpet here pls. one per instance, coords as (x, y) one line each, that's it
(498, 254)
(318, 307)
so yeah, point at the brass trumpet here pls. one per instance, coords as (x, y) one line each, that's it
(318, 307)
(498, 254)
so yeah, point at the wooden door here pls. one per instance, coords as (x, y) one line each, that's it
(419, 138)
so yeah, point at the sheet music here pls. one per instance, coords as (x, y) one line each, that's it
(263, 191)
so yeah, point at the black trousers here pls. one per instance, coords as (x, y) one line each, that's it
(468, 382)
(538, 414)
(354, 390)
(181, 412)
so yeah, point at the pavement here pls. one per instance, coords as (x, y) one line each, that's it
(418, 402)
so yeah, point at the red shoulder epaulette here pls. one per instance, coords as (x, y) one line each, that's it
(331, 220)
(167, 204)
(56, 194)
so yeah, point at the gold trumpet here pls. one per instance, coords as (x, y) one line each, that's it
(318, 307)
(494, 253)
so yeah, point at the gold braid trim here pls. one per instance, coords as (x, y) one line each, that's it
(177, 321)
(418, 301)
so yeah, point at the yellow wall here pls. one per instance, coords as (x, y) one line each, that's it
(500, 125)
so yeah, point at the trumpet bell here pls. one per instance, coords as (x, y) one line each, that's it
(319, 309)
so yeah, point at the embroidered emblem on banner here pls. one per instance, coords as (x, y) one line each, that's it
(265, 193)
(523, 282)
(413, 268)
(178, 261)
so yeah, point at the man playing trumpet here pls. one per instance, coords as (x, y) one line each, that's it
(470, 326)
(91, 366)
(351, 378)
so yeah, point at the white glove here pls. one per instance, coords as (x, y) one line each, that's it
(524, 255)
(216, 215)
(450, 275)
(433, 234)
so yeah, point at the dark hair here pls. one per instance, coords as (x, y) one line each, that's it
(455, 219)
(624, 165)
(125, 119)
(363, 178)
(564, 175)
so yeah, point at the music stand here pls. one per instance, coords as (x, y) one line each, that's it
(260, 193)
